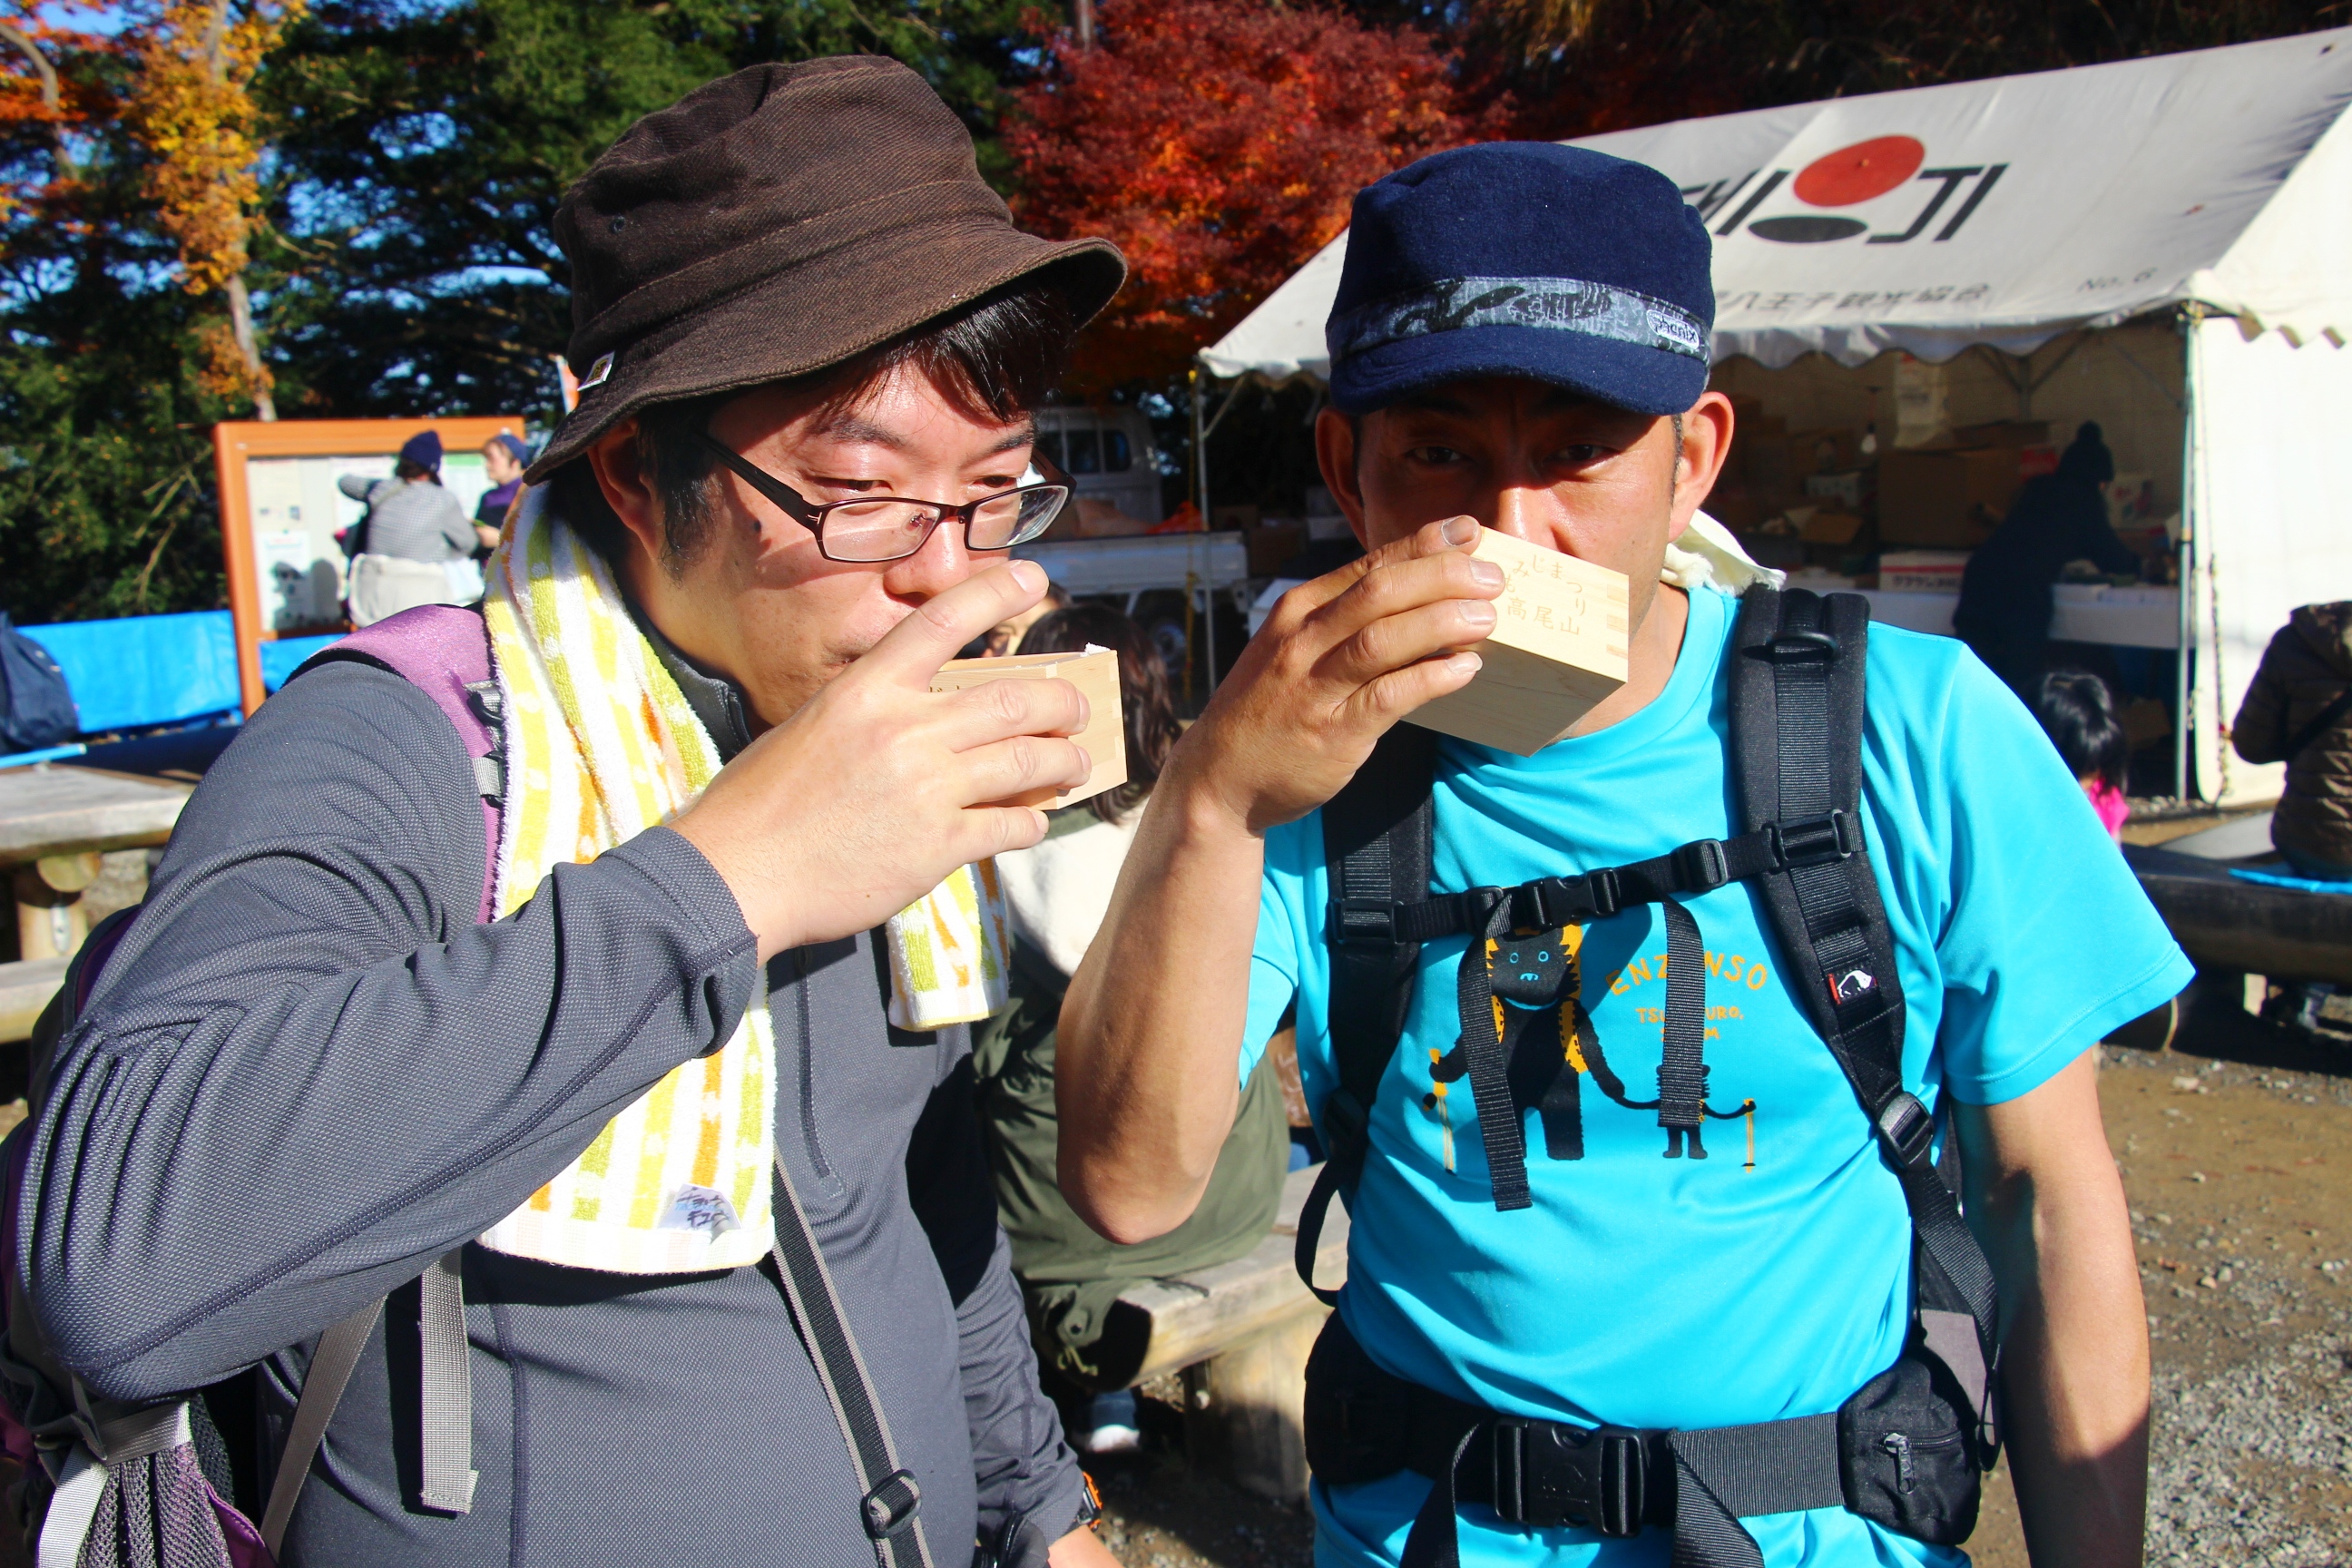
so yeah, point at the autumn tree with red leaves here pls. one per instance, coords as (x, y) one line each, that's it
(1219, 143)
(36, 97)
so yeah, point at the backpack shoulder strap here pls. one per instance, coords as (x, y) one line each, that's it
(1376, 848)
(443, 650)
(1797, 711)
(1377, 836)
(891, 1508)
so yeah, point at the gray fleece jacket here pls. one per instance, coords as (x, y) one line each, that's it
(307, 1072)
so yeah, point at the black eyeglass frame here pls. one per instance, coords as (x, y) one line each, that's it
(811, 515)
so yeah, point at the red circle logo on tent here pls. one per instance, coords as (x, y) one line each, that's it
(1858, 173)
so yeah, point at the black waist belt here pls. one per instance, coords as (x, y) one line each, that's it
(1363, 1423)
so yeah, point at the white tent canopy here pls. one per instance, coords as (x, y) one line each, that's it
(2002, 212)
(2013, 211)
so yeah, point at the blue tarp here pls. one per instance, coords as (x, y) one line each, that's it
(2283, 879)
(282, 658)
(144, 671)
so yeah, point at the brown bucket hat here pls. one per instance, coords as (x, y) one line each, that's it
(778, 221)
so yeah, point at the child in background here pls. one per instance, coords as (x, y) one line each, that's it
(2078, 713)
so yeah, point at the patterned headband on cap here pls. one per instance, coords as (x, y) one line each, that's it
(1554, 304)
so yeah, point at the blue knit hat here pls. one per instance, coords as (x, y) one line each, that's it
(1524, 258)
(422, 450)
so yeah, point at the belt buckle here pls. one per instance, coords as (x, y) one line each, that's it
(1547, 1472)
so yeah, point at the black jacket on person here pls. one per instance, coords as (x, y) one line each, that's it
(2007, 592)
(308, 1072)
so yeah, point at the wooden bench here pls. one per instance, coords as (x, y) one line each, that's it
(1240, 1333)
(54, 824)
(25, 990)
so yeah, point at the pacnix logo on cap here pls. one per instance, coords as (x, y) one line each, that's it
(1553, 304)
(599, 373)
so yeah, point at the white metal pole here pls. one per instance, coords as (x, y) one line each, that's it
(2184, 693)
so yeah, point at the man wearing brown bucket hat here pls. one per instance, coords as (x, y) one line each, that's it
(681, 1142)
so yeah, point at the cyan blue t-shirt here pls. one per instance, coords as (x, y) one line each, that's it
(1771, 1278)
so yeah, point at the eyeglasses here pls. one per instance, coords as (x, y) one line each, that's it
(891, 528)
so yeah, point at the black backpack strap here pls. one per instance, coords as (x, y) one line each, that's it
(892, 1502)
(1797, 722)
(1376, 843)
(1376, 847)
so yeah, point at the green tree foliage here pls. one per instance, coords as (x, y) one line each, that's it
(406, 263)
(423, 155)
(105, 458)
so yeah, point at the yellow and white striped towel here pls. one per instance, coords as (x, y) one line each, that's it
(600, 746)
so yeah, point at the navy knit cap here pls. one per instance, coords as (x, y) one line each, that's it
(1524, 258)
(2087, 459)
(422, 450)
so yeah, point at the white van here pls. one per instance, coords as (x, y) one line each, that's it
(1108, 452)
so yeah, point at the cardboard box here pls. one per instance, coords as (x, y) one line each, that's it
(1831, 527)
(1559, 649)
(2011, 433)
(1094, 672)
(1943, 498)
(1923, 571)
(1825, 451)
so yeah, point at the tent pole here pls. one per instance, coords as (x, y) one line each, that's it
(1200, 451)
(2182, 719)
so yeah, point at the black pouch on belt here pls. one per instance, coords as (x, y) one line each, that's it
(1907, 1454)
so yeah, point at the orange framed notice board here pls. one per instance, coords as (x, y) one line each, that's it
(280, 511)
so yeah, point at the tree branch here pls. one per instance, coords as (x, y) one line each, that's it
(12, 35)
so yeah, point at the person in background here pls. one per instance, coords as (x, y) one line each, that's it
(416, 547)
(506, 456)
(1005, 635)
(1056, 893)
(2295, 713)
(2006, 594)
(2078, 713)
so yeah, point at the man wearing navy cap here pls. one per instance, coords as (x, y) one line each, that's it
(1555, 1345)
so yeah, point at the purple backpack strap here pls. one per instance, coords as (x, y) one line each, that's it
(443, 650)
